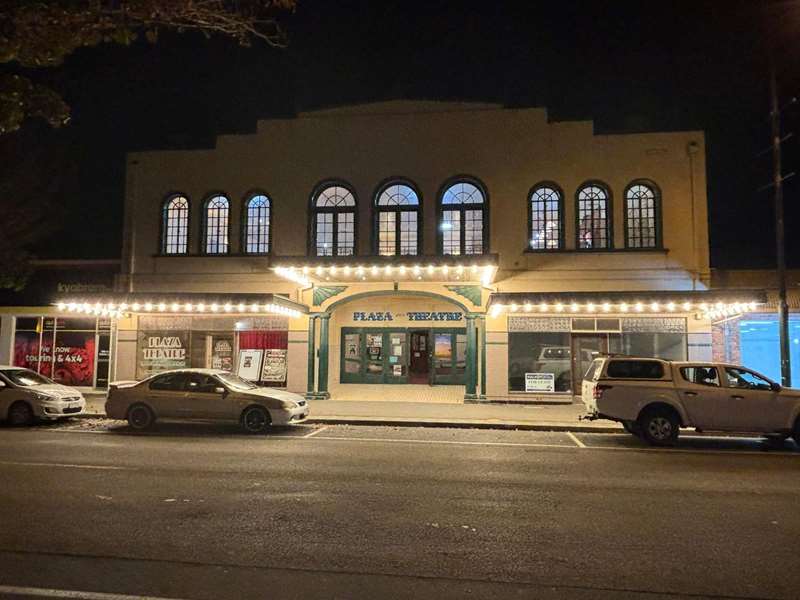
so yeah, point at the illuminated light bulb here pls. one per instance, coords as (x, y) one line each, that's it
(214, 307)
(201, 307)
(162, 307)
(241, 307)
(623, 307)
(254, 307)
(543, 307)
(559, 307)
(123, 306)
(175, 307)
(445, 270)
(347, 270)
(639, 307)
(374, 271)
(654, 306)
(305, 270)
(188, 307)
(574, 307)
(475, 269)
(590, 307)
(687, 306)
(136, 306)
(703, 306)
(430, 269)
(402, 269)
(61, 306)
(528, 307)
(606, 307)
(228, 307)
(110, 306)
(671, 307)
(416, 269)
(460, 269)
(319, 271)
(360, 272)
(388, 269)
(332, 270)
(514, 307)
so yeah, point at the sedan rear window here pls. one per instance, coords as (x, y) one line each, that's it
(635, 369)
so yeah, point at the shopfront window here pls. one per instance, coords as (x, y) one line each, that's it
(754, 342)
(64, 349)
(252, 348)
(539, 352)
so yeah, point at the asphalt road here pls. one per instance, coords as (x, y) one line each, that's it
(369, 512)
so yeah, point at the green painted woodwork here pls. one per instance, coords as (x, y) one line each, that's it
(470, 292)
(323, 293)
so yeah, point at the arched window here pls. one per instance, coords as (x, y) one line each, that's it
(257, 225)
(594, 217)
(642, 216)
(462, 220)
(334, 221)
(546, 205)
(216, 225)
(175, 226)
(397, 220)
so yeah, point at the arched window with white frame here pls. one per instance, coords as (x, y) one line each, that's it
(546, 217)
(397, 209)
(175, 225)
(642, 215)
(257, 224)
(216, 223)
(334, 221)
(463, 218)
(593, 213)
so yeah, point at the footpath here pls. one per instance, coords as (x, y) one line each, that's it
(538, 417)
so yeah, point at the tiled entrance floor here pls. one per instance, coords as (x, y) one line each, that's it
(442, 394)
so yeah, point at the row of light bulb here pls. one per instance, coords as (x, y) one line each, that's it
(117, 310)
(300, 275)
(711, 310)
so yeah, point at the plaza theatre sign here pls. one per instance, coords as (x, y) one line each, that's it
(411, 316)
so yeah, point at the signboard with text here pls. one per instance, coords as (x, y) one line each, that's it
(540, 382)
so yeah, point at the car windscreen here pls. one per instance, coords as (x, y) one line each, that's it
(635, 369)
(236, 382)
(25, 378)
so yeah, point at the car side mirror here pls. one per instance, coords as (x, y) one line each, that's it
(776, 387)
(220, 390)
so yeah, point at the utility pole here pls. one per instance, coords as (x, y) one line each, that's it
(780, 246)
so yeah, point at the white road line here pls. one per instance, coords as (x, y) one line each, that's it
(316, 431)
(444, 442)
(575, 439)
(65, 465)
(54, 593)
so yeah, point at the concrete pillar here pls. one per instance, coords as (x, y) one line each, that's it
(324, 335)
(471, 359)
(310, 391)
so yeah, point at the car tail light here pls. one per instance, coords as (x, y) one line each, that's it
(599, 389)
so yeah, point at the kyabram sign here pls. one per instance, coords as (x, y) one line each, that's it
(412, 316)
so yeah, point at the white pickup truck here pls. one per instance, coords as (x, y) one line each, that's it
(653, 398)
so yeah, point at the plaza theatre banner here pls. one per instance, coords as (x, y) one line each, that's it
(161, 351)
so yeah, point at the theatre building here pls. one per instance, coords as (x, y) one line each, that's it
(424, 251)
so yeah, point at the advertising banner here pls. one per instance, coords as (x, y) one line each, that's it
(72, 363)
(161, 351)
(274, 370)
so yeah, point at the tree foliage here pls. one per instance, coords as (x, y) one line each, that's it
(37, 34)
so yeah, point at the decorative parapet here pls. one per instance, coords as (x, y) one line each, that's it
(323, 293)
(470, 292)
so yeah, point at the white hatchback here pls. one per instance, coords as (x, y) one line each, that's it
(26, 396)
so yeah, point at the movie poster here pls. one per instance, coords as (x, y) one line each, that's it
(274, 370)
(161, 351)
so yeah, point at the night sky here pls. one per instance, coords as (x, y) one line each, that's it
(630, 66)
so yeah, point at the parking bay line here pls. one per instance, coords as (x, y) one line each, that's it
(65, 465)
(82, 595)
(316, 431)
(575, 439)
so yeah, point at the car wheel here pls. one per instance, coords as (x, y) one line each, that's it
(256, 419)
(659, 426)
(20, 414)
(632, 427)
(140, 417)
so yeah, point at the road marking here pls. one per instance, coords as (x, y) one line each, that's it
(575, 439)
(316, 431)
(444, 442)
(82, 595)
(65, 465)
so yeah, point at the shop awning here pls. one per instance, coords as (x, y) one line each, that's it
(712, 304)
(119, 305)
(307, 272)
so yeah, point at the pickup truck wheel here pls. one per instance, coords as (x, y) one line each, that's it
(659, 426)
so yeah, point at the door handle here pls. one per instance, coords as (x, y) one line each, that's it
(737, 397)
(691, 393)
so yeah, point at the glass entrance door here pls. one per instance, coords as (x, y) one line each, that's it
(449, 356)
(585, 348)
(372, 355)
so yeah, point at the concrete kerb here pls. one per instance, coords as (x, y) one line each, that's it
(441, 424)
